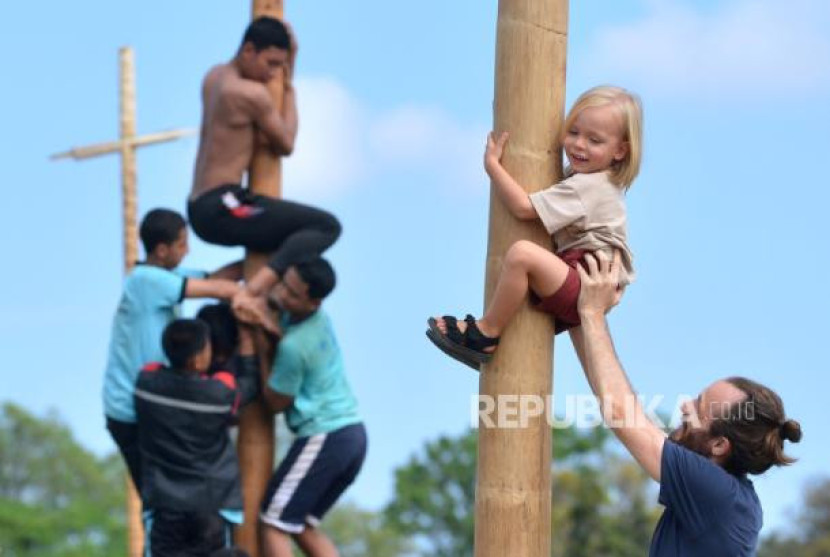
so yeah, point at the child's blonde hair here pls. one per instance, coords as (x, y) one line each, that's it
(623, 172)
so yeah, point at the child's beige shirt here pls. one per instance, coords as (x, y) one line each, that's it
(586, 211)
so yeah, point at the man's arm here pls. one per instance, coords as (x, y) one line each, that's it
(278, 128)
(210, 288)
(620, 407)
(231, 271)
(513, 196)
(276, 401)
(248, 304)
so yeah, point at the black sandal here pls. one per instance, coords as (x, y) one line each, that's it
(467, 347)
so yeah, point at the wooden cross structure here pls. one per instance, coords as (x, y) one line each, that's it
(126, 146)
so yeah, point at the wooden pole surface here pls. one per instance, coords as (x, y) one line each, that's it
(98, 149)
(129, 202)
(126, 146)
(513, 492)
(256, 440)
(128, 170)
(135, 529)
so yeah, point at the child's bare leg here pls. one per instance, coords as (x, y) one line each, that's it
(526, 266)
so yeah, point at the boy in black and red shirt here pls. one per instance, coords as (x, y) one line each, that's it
(190, 489)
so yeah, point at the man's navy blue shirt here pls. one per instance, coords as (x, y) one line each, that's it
(709, 512)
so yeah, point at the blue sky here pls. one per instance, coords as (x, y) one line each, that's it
(727, 218)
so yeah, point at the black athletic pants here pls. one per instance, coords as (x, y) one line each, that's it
(187, 534)
(125, 435)
(291, 232)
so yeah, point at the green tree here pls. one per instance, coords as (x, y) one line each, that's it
(435, 496)
(812, 536)
(56, 498)
(357, 533)
(600, 500)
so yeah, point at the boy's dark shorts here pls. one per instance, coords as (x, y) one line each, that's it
(312, 476)
(562, 304)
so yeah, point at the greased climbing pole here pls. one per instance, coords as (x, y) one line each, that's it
(255, 443)
(513, 493)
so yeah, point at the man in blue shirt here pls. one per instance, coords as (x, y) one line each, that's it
(308, 382)
(150, 301)
(734, 428)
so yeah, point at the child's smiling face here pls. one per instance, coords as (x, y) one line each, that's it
(594, 142)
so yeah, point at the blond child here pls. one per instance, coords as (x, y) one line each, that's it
(584, 213)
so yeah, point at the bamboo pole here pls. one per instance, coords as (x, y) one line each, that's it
(256, 440)
(513, 492)
(135, 529)
(126, 146)
(128, 170)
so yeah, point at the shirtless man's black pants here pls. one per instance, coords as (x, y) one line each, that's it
(291, 232)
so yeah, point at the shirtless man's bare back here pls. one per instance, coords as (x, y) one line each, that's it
(238, 115)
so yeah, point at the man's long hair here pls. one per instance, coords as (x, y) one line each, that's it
(756, 428)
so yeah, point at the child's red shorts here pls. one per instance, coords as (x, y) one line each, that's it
(562, 304)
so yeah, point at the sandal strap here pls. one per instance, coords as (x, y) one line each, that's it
(453, 332)
(474, 338)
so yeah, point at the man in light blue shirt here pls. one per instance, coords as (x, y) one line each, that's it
(308, 382)
(152, 293)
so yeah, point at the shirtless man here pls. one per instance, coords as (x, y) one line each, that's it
(239, 115)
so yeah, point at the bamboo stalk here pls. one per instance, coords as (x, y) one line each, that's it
(128, 169)
(513, 493)
(135, 529)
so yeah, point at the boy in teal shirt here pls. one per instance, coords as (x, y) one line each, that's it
(152, 293)
(308, 382)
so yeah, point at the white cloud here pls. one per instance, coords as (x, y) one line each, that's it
(739, 48)
(342, 144)
(330, 153)
(408, 134)
(418, 136)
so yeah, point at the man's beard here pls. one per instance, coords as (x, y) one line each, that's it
(696, 440)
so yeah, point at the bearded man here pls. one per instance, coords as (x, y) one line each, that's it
(735, 427)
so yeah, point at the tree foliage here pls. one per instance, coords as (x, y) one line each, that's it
(56, 498)
(357, 533)
(435, 496)
(811, 537)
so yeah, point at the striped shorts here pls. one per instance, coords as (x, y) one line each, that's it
(312, 476)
